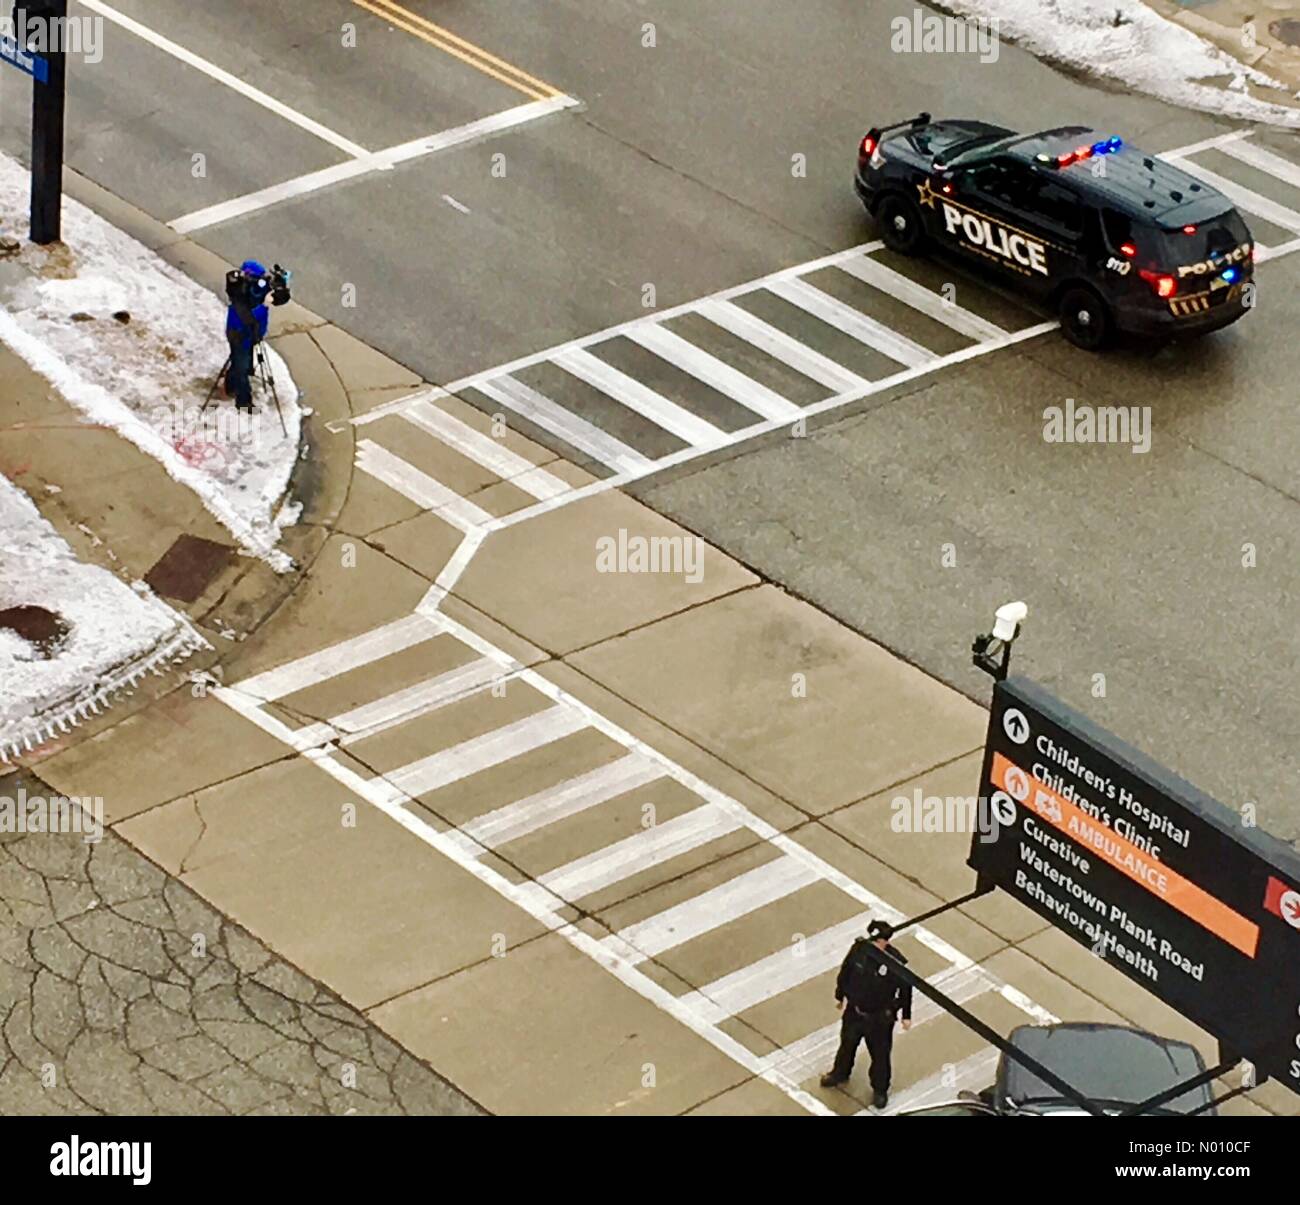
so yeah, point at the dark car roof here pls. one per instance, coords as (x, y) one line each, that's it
(1135, 183)
(1105, 1063)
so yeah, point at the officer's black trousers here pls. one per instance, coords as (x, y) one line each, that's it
(877, 1030)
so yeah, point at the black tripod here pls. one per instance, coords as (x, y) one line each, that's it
(262, 370)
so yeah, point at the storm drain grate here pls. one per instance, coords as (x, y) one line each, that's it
(187, 568)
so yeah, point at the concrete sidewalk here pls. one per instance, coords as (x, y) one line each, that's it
(1264, 34)
(582, 841)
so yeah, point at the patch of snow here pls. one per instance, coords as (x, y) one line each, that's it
(1145, 51)
(147, 378)
(116, 633)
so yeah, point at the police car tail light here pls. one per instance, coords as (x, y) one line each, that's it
(1162, 285)
(868, 147)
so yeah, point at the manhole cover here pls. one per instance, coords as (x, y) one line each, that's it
(185, 570)
(39, 627)
(1286, 30)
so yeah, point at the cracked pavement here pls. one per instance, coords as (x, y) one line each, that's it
(123, 993)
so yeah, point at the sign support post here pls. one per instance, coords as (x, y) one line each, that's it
(49, 101)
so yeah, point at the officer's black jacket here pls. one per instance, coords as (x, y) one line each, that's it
(866, 989)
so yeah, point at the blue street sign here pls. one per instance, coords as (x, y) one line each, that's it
(31, 64)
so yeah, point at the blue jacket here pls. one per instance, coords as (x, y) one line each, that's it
(260, 319)
(260, 314)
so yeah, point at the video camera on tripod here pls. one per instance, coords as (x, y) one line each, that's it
(246, 289)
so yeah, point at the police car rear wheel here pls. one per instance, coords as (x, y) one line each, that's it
(1085, 320)
(900, 225)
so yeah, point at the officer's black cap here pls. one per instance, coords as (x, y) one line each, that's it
(878, 929)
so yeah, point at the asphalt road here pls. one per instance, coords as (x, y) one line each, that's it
(677, 171)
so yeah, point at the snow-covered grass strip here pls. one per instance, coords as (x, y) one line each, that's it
(1128, 41)
(112, 634)
(134, 345)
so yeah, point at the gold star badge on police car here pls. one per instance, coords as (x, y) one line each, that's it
(926, 189)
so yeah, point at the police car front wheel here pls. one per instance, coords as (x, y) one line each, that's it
(1085, 320)
(900, 225)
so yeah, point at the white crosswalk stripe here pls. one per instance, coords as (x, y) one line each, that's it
(639, 852)
(575, 431)
(420, 699)
(489, 452)
(780, 346)
(712, 909)
(871, 271)
(796, 963)
(451, 765)
(843, 317)
(1263, 159)
(971, 1074)
(630, 392)
(350, 654)
(1241, 196)
(567, 798)
(419, 487)
(713, 372)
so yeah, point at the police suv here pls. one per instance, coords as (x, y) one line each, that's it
(1111, 238)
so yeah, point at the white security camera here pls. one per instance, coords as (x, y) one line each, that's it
(1007, 618)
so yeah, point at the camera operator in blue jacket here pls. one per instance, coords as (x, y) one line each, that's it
(246, 323)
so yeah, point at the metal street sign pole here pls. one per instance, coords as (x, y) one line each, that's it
(48, 104)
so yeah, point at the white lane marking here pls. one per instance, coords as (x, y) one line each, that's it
(853, 323)
(1243, 197)
(718, 375)
(629, 392)
(491, 453)
(536, 901)
(972, 1073)
(642, 850)
(918, 297)
(339, 658)
(567, 798)
(712, 909)
(564, 424)
(426, 492)
(417, 700)
(1265, 160)
(455, 204)
(778, 972)
(780, 346)
(813, 1054)
(244, 89)
(1262, 253)
(482, 752)
(366, 163)
(1216, 142)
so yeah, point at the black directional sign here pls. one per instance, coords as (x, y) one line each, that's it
(1165, 883)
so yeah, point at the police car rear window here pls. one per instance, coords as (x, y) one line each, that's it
(1202, 241)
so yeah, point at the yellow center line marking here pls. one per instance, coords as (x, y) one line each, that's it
(467, 52)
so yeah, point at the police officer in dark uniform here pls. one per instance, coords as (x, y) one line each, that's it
(872, 1000)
